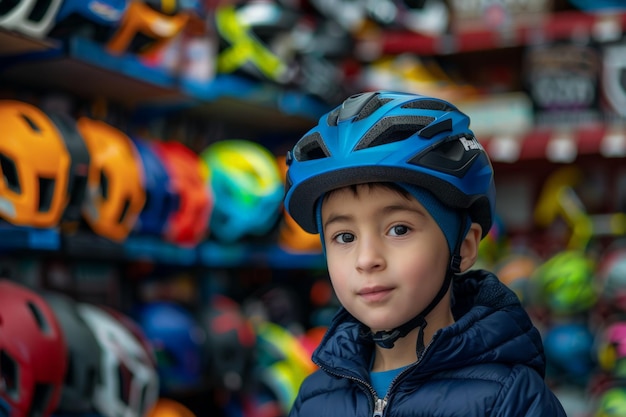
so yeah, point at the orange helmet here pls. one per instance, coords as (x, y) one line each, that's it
(292, 237)
(35, 166)
(144, 29)
(166, 407)
(189, 224)
(115, 193)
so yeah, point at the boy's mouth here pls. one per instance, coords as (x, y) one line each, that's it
(375, 294)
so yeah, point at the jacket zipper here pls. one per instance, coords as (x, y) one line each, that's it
(379, 406)
(379, 403)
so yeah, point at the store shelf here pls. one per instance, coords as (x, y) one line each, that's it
(83, 68)
(213, 254)
(86, 245)
(12, 43)
(564, 25)
(80, 67)
(237, 99)
(27, 238)
(153, 249)
(558, 145)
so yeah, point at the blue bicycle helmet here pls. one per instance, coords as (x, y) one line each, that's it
(94, 19)
(391, 137)
(178, 341)
(396, 137)
(161, 198)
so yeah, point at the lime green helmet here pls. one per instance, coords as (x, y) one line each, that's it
(612, 403)
(565, 283)
(247, 187)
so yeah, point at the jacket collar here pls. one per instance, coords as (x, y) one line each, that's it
(491, 325)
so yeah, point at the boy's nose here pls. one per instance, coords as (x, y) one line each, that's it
(369, 256)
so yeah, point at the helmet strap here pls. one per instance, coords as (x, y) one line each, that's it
(387, 338)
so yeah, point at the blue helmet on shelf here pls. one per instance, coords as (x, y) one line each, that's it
(95, 19)
(161, 199)
(178, 341)
(569, 351)
(398, 137)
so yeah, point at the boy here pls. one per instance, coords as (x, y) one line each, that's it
(402, 193)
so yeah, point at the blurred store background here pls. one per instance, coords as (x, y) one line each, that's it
(147, 267)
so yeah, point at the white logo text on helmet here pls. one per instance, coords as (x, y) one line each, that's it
(470, 143)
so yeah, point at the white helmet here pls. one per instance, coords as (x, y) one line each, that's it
(30, 17)
(129, 383)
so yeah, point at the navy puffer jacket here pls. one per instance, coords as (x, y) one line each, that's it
(489, 363)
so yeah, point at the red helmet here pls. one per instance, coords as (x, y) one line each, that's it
(33, 352)
(190, 223)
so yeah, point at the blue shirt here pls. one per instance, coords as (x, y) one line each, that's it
(381, 380)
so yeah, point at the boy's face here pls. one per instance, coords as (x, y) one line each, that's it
(386, 256)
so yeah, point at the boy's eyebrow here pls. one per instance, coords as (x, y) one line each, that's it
(336, 218)
(401, 207)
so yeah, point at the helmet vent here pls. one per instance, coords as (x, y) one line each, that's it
(311, 147)
(46, 194)
(370, 107)
(39, 10)
(124, 211)
(143, 403)
(104, 185)
(332, 117)
(125, 380)
(90, 383)
(393, 129)
(41, 321)
(357, 107)
(429, 105)
(9, 377)
(41, 398)
(31, 123)
(9, 172)
(69, 373)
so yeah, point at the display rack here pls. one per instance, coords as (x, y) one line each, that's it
(83, 68)
(155, 250)
(564, 25)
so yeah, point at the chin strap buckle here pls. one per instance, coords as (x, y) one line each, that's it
(386, 339)
(455, 264)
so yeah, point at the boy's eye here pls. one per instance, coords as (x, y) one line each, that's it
(344, 238)
(399, 230)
